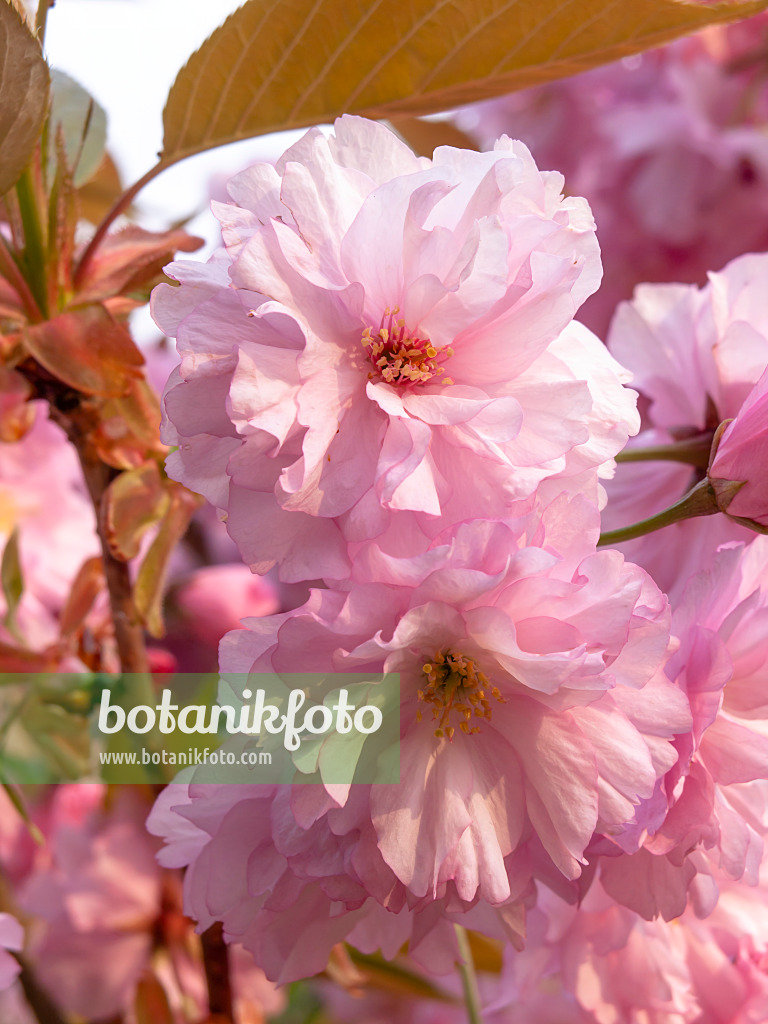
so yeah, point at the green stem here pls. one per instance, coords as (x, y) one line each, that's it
(34, 246)
(694, 451)
(699, 501)
(119, 206)
(41, 18)
(10, 271)
(466, 967)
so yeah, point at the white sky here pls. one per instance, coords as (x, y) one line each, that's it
(126, 53)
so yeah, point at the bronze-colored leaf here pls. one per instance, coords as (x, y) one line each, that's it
(277, 64)
(134, 501)
(151, 1003)
(99, 193)
(86, 349)
(24, 91)
(86, 587)
(150, 581)
(425, 136)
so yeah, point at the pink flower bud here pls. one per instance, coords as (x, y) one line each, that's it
(738, 470)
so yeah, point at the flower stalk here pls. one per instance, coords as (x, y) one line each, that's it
(466, 966)
(701, 500)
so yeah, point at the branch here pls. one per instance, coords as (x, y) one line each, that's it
(216, 963)
(120, 205)
(39, 1001)
(129, 633)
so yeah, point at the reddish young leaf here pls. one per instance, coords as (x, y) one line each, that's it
(127, 429)
(86, 349)
(20, 659)
(130, 261)
(86, 587)
(17, 414)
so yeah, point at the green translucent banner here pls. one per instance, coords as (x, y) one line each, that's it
(334, 728)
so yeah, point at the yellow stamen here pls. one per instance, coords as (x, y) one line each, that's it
(400, 358)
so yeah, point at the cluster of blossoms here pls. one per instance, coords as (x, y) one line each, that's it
(669, 148)
(383, 390)
(103, 919)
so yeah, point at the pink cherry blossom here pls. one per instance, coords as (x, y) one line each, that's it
(397, 328)
(96, 886)
(668, 148)
(742, 457)
(54, 537)
(695, 355)
(716, 794)
(556, 726)
(618, 967)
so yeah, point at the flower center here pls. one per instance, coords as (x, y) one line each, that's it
(456, 687)
(400, 357)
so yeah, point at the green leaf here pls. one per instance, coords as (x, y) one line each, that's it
(12, 579)
(24, 91)
(277, 64)
(83, 126)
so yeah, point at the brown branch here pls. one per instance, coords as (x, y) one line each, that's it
(68, 412)
(129, 633)
(216, 963)
(39, 1001)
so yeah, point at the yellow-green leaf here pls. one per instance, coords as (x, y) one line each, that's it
(133, 502)
(24, 90)
(150, 580)
(12, 579)
(277, 64)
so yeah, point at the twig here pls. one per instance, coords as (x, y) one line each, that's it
(216, 962)
(129, 634)
(119, 206)
(39, 1001)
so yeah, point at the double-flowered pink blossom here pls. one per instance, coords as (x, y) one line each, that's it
(667, 146)
(54, 538)
(533, 716)
(387, 338)
(695, 355)
(621, 968)
(95, 889)
(716, 795)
